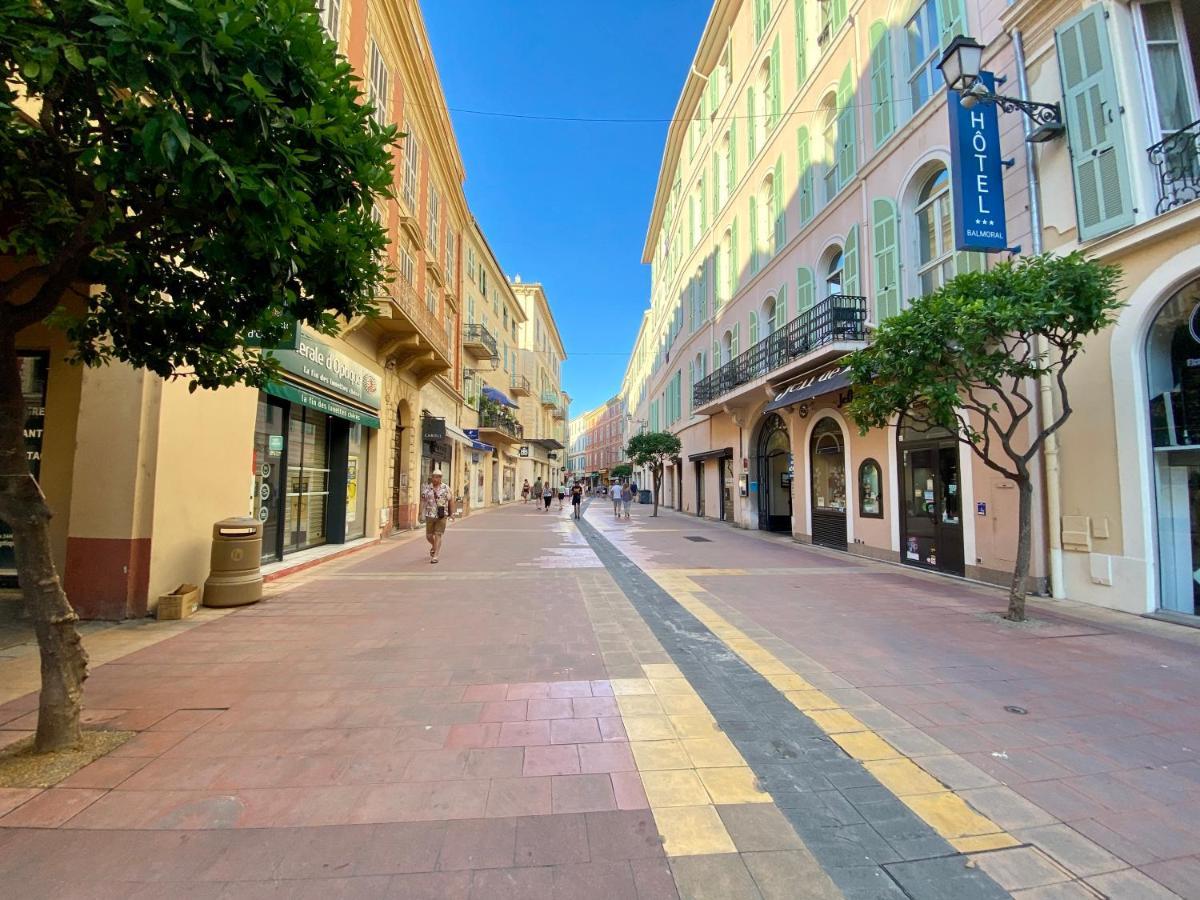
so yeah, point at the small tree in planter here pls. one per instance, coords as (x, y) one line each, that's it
(654, 449)
(967, 358)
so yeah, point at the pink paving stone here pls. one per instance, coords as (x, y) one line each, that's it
(524, 734)
(11, 798)
(51, 808)
(149, 743)
(504, 711)
(574, 731)
(138, 719)
(583, 793)
(628, 790)
(612, 729)
(550, 709)
(570, 689)
(594, 707)
(556, 760)
(534, 690)
(609, 757)
(473, 735)
(484, 692)
(106, 772)
(186, 720)
(518, 797)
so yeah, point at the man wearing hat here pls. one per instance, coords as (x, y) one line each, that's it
(437, 506)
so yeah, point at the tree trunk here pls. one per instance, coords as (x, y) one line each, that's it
(657, 486)
(24, 509)
(1016, 592)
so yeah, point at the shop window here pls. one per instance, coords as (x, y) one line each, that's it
(870, 490)
(356, 483)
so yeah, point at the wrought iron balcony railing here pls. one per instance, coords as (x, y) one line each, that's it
(519, 384)
(404, 295)
(477, 336)
(1176, 159)
(490, 418)
(549, 397)
(836, 318)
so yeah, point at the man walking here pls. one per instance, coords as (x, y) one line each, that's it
(576, 498)
(437, 507)
(614, 492)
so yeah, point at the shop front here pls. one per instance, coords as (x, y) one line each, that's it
(931, 526)
(34, 372)
(313, 433)
(722, 459)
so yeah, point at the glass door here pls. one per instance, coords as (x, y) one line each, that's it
(931, 508)
(269, 471)
(308, 479)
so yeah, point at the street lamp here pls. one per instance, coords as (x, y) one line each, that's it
(960, 67)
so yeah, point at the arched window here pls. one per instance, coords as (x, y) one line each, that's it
(763, 121)
(727, 346)
(829, 140)
(835, 267)
(724, 172)
(767, 213)
(769, 323)
(935, 233)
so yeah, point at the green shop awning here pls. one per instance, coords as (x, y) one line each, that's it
(285, 390)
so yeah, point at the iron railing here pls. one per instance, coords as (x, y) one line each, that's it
(549, 397)
(519, 384)
(404, 295)
(836, 318)
(1176, 159)
(490, 418)
(478, 334)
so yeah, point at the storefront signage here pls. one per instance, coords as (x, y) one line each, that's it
(254, 338)
(321, 364)
(34, 369)
(814, 385)
(321, 403)
(523, 452)
(977, 179)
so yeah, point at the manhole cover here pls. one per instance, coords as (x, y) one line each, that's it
(1017, 710)
(696, 538)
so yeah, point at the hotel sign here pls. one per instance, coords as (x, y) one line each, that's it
(977, 180)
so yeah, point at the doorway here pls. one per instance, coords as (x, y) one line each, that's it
(399, 475)
(774, 476)
(931, 534)
(726, 477)
(827, 453)
(700, 489)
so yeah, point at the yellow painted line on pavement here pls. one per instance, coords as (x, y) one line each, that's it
(947, 813)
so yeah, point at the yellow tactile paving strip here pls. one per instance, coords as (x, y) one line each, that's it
(947, 813)
(687, 765)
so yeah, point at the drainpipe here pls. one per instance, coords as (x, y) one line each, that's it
(1045, 388)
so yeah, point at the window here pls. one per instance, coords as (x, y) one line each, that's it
(1170, 76)
(870, 493)
(434, 223)
(378, 87)
(762, 18)
(834, 272)
(406, 265)
(830, 133)
(935, 234)
(804, 167)
(431, 303)
(330, 12)
(923, 32)
(471, 263)
(409, 186)
(727, 268)
(451, 246)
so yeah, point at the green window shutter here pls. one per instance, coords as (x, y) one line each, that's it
(886, 259)
(716, 184)
(735, 279)
(753, 234)
(703, 203)
(716, 355)
(753, 328)
(716, 280)
(952, 19)
(704, 293)
(804, 289)
(801, 43)
(775, 85)
(732, 156)
(804, 167)
(781, 308)
(691, 381)
(846, 157)
(850, 263)
(1092, 110)
(838, 16)
(780, 212)
(883, 118)
(750, 129)
(735, 344)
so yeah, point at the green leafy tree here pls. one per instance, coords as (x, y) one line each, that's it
(654, 449)
(177, 179)
(622, 470)
(969, 356)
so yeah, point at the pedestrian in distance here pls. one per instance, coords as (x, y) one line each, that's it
(562, 493)
(547, 496)
(614, 492)
(576, 498)
(525, 491)
(626, 499)
(536, 492)
(438, 507)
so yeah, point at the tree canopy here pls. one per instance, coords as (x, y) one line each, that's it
(653, 448)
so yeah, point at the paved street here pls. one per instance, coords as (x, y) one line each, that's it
(654, 709)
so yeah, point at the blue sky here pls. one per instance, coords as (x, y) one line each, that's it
(567, 203)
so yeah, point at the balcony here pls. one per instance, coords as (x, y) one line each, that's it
(412, 337)
(479, 343)
(835, 326)
(549, 397)
(559, 411)
(1176, 161)
(519, 386)
(499, 426)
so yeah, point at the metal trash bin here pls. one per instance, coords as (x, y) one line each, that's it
(646, 497)
(235, 574)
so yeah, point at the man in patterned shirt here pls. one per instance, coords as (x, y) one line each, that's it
(437, 506)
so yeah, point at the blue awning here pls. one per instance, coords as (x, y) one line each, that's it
(480, 445)
(495, 394)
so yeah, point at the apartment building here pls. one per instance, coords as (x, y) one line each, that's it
(598, 441)
(804, 196)
(545, 418)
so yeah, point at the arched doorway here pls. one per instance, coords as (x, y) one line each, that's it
(1173, 379)
(774, 476)
(827, 454)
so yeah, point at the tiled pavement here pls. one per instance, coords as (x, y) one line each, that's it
(615, 712)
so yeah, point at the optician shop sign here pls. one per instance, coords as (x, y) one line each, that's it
(977, 180)
(320, 364)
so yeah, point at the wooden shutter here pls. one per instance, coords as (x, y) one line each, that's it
(753, 328)
(1092, 110)
(716, 183)
(716, 354)
(735, 344)
(732, 155)
(804, 289)
(846, 158)
(692, 383)
(804, 167)
(780, 222)
(850, 263)
(838, 15)
(801, 43)
(703, 203)
(704, 292)
(952, 19)
(716, 279)
(735, 276)
(781, 308)
(885, 259)
(775, 86)
(883, 118)
(750, 129)
(753, 234)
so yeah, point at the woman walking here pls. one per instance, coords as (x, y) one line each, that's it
(525, 491)
(626, 499)
(547, 496)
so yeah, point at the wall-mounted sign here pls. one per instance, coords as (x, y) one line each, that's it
(977, 179)
(34, 371)
(524, 451)
(319, 363)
